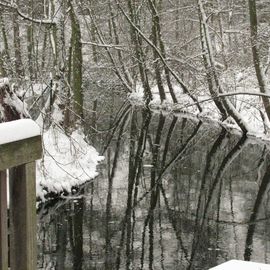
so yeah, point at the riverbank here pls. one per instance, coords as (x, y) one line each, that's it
(68, 162)
(68, 159)
(248, 106)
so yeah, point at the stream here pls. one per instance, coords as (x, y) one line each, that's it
(172, 193)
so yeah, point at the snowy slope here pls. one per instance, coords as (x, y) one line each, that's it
(67, 162)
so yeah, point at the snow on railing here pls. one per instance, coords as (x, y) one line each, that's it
(20, 147)
(18, 130)
(241, 265)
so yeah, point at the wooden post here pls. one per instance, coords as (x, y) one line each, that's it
(18, 153)
(23, 217)
(3, 222)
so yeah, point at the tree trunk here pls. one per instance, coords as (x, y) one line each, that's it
(161, 89)
(125, 71)
(137, 41)
(76, 82)
(5, 54)
(30, 50)
(256, 56)
(227, 106)
(155, 13)
(17, 45)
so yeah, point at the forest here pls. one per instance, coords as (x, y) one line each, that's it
(155, 120)
(178, 50)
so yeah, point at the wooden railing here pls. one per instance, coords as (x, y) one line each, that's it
(20, 147)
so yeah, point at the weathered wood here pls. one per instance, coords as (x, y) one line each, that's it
(3, 222)
(23, 217)
(20, 152)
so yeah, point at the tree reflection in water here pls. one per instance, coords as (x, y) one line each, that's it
(172, 194)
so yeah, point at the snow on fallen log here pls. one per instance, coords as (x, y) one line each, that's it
(11, 107)
(4, 81)
(18, 130)
(68, 162)
(241, 265)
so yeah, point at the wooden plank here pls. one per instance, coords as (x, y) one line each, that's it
(3, 222)
(20, 152)
(23, 224)
(18, 130)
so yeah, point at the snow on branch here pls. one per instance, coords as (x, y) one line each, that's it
(113, 46)
(163, 60)
(4, 81)
(11, 107)
(13, 6)
(223, 95)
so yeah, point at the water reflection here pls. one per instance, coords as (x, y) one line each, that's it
(172, 194)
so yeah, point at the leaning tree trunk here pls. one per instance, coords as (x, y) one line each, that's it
(156, 21)
(256, 56)
(115, 30)
(209, 76)
(10, 110)
(227, 106)
(140, 56)
(142, 36)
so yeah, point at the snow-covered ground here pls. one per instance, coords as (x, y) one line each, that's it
(249, 106)
(68, 162)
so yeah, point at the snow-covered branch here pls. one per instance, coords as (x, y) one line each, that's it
(113, 46)
(223, 96)
(13, 6)
(150, 43)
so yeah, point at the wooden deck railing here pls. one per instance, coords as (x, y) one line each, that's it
(17, 169)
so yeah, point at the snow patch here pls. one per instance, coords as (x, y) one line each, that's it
(68, 162)
(14, 102)
(3, 82)
(248, 107)
(18, 130)
(241, 265)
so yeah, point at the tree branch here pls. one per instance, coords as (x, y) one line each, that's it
(225, 95)
(113, 46)
(26, 17)
(184, 87)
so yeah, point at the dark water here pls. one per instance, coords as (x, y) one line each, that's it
(172, 193)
